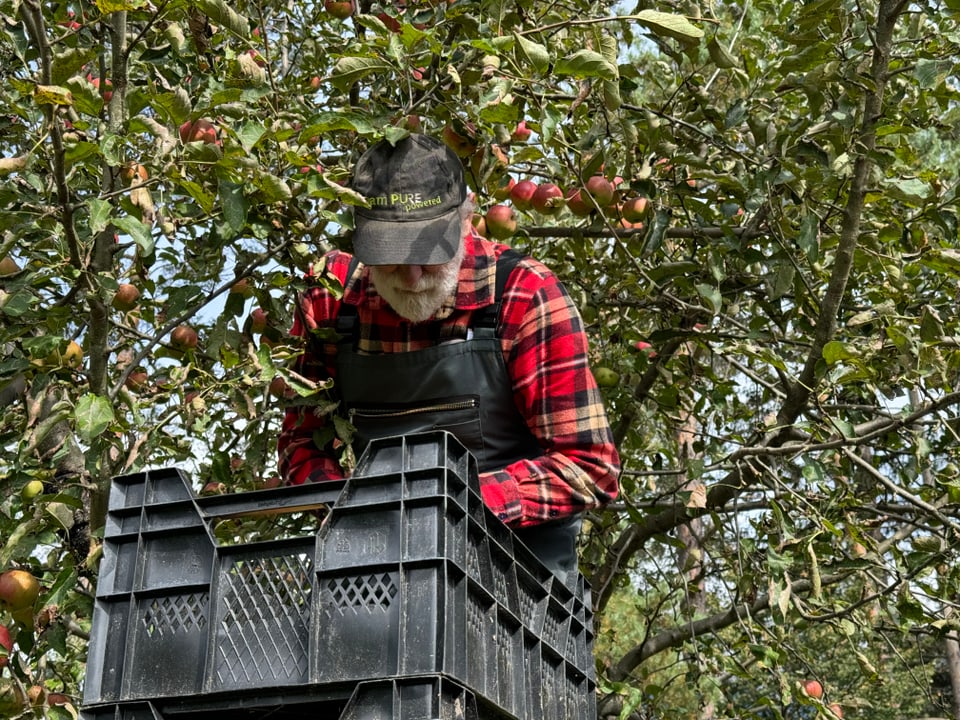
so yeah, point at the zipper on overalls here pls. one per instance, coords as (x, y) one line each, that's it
(402, 412)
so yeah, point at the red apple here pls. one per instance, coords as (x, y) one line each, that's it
(200, 130)
(813, 688)
(341, 9)
(645, 347)
(58, 699)
(19, 590)
(126, 296)
(600, 189)
(522, 194)
(413, 123)
(501, 221)
(576, 203)
(280, 389)
(635, 209)
(548, 199)
(258, 320)
(521, 133)
(8, 266)
(241, 287)
(836, 710)
(137, 379)
(184, 337)
(462, 142)
(107, 92)
(6, 643)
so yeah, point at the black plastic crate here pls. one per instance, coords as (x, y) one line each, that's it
(411, 588)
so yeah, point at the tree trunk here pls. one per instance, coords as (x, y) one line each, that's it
(952, 651)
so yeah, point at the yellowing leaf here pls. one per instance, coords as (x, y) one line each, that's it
(110, 6)
(52, 95)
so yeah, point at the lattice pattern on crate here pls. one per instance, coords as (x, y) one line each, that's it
(554, 627)
(501, 578)
(529, 603)
(474, 568)
(476, 616)
(264, 629)
(176, 614)
(371, 593)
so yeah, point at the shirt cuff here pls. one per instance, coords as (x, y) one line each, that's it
(501, 494)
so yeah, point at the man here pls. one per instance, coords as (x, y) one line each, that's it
(425, 345)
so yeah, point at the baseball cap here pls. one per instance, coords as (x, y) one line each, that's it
(415, 188)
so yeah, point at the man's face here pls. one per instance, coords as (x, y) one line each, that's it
(416, 292)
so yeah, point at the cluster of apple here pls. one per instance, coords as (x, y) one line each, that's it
(814, 689)
(548, 199)
(598, 193)
(342, 9)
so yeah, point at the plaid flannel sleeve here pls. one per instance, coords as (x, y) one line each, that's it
(547, 358)
(300, 458)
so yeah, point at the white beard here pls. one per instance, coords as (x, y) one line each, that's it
(421, 301)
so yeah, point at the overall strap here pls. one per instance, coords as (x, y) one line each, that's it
(489, 318)
(347, 323)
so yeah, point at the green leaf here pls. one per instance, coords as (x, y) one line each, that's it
(273, 188)
(138, 231)
(836, 351)
(222, 13)
(350, 69)
(931, 73)
(175, 104)
(532, 54)
(99, 212)
(60, 513)
(945, 260)
(93, 414)
(669, 25)
(68, 64)
(235, 206)
(809, 237)
(586, 63)
(250, 134)
(721, 57)
(782, 280)
(711, 296)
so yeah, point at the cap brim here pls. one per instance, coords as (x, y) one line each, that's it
(420, 242)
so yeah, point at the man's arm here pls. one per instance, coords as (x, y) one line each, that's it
(547, 358)
(300, 458)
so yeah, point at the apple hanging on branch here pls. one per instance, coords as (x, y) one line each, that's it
(501, 221)
(548, 199)
(200, 130)
(184, 337)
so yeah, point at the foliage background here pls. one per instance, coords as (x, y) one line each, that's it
(788, 421)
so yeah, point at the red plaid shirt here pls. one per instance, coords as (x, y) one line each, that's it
(546, 356)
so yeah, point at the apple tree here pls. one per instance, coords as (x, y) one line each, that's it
(753, 205)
